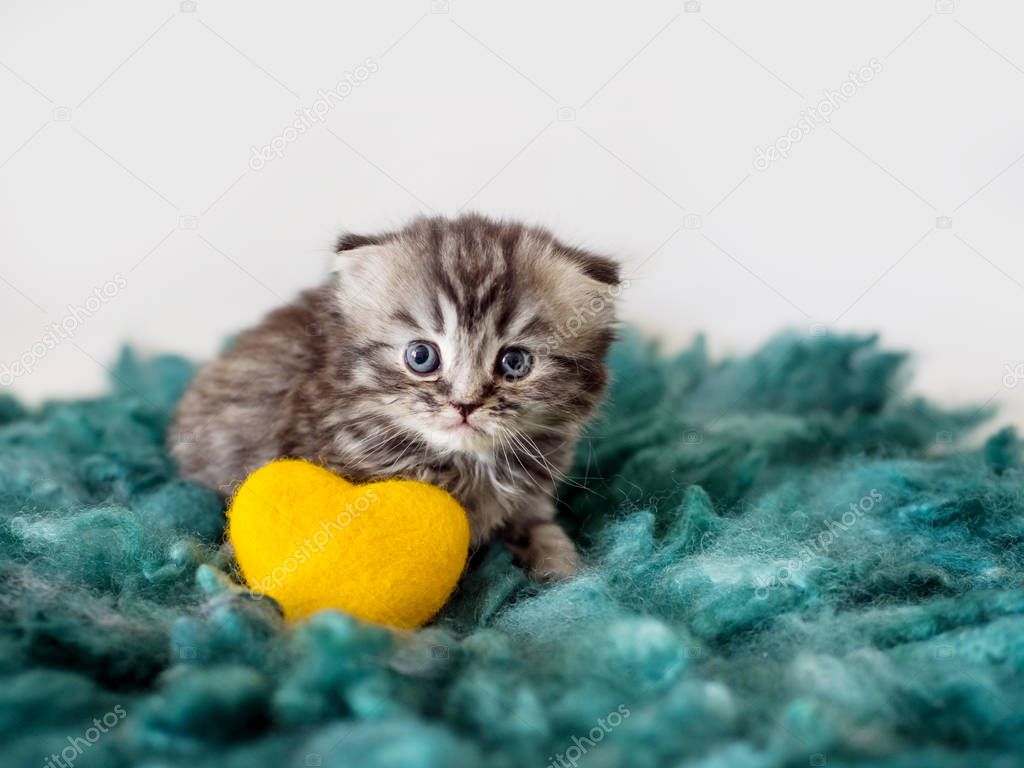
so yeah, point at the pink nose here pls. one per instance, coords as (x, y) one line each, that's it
(465, 408)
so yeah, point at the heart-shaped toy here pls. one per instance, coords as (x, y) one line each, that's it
(389, 552)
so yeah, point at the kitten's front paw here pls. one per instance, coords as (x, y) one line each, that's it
(557, 567)
(550, 555)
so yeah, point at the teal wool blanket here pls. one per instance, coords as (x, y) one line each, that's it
(789, 562)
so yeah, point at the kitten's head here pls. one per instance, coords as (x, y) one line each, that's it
(472, 333)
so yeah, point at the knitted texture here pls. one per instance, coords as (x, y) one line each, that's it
(788, 562)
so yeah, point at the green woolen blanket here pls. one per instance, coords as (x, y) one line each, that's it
(788, 562)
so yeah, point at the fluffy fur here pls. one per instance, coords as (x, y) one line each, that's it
(726, 604)
(325, 378)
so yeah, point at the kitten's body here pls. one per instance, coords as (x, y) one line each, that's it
(323, 378)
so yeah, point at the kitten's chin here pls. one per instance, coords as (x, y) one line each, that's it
(460, 439)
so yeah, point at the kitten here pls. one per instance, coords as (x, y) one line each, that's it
(466, 353)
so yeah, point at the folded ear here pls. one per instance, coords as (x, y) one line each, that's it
(596, 267)
(350, 249)
(350, 241)
(364, 273)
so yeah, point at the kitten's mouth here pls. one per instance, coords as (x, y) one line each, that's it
(451, 432)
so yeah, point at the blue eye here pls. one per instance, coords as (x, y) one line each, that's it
(422, 357)
(514, 363)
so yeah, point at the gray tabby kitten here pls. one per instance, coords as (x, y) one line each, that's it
(466, 353)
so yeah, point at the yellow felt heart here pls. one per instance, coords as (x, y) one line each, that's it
(388, 552)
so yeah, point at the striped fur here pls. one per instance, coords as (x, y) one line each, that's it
(324, 377)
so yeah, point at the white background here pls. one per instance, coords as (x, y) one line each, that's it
(128, 128)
